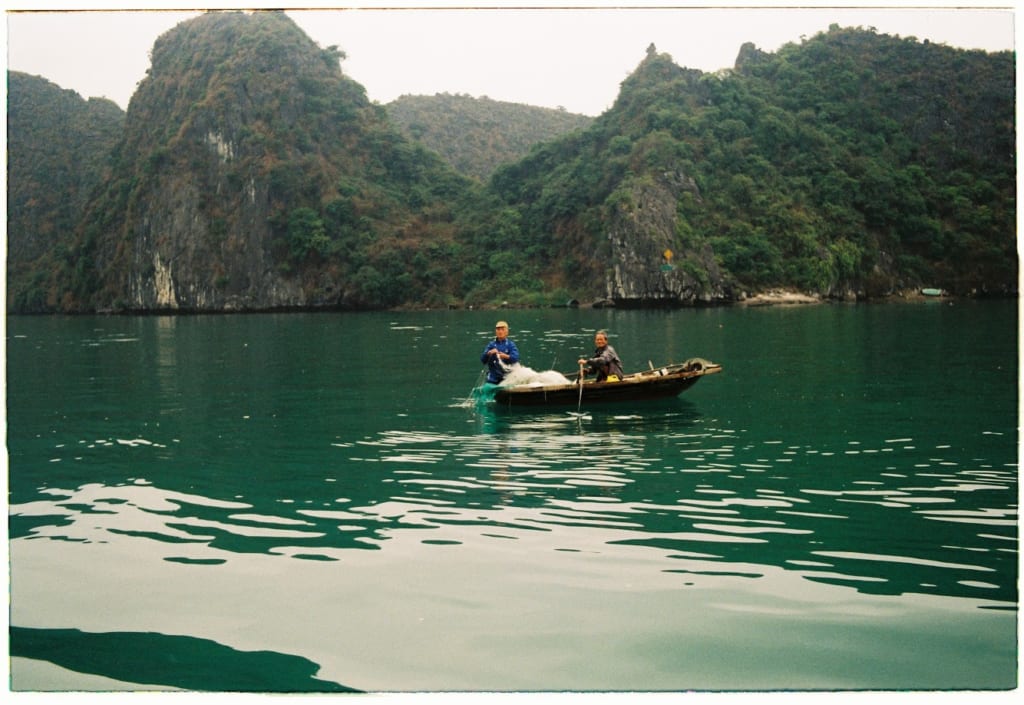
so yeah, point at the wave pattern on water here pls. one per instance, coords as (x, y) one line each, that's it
(273, 482)
(667, 482)
(787, 505)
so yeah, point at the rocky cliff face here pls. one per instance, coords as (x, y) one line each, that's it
(191, 201)
(252, 175)
(645, 270)
(178, 262)
(821, 169)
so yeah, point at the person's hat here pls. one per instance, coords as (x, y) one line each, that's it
(501, 324)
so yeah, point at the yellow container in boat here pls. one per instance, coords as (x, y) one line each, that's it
(612, 378)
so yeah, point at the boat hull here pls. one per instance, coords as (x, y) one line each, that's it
(643, 386)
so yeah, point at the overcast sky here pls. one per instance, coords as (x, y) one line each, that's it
(571, 58)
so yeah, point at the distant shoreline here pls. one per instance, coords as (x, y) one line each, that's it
(787, 297)
(780, 297)
(774, 297)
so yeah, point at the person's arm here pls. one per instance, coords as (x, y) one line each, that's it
(593, 363)
(486, 356)
(513, 354)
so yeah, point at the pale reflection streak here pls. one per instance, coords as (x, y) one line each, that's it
(96, 513)
(534, 463)
(557, 480)
(585, 490)
(875, 557)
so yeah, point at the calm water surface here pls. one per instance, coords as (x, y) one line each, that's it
(313, 503)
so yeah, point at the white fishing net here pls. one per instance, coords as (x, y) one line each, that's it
(521, 375)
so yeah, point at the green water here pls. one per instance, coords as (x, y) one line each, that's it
(313, 503)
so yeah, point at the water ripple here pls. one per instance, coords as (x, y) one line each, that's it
(543, 472)
(664, 484)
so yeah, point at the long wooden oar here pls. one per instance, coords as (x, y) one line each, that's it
(579, 404)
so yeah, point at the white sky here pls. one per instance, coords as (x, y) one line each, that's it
(573, 58)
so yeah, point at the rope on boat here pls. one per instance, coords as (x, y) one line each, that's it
(474, 391)
(695, 364)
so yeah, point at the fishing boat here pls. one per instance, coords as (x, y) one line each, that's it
(654, 383)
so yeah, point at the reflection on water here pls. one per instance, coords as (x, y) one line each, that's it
(255, 485)
(665, 479)
(179, 662)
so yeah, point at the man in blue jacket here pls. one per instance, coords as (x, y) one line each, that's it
(500, 354)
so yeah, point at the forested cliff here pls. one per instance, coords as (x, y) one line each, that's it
(852, 165)
(58, 145)
(250, 173)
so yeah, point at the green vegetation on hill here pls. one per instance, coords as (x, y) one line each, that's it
(476, 135)
(254, 174)
(853, 162)
(251, 173)
(57, 151)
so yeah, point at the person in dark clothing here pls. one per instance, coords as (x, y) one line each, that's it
(605, 362)
(500, 354)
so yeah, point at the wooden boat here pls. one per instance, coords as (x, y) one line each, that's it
(655, 383)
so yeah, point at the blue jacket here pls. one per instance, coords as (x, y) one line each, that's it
(496, 367)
